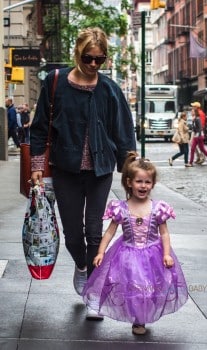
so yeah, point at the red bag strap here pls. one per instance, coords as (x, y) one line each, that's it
(51, 105)
(54, 85)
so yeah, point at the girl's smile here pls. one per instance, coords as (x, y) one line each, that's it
(141, 185)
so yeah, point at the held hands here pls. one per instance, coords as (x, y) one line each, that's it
(98, 259)
(168, 261)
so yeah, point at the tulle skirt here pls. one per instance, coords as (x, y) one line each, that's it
(133, 285)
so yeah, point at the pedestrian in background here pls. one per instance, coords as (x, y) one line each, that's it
(25, 119)
(197, 107)
(20, 132)
(183, 130)
(198, 137)
(92, 130)
(32, 113)
(12, 121)
(139, 279)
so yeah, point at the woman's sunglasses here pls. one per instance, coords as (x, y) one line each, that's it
(87, 59)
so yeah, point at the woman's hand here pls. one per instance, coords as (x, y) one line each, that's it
(36, 177)
(98, 259)
(168, 261)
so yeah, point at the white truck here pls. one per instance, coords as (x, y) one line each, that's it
(161, 111)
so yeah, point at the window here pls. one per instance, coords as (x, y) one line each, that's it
(199, 7)
(170, 106)
(148, 57)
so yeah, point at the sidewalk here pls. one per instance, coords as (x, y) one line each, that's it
(37, 315)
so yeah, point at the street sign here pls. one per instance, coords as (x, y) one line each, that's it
(136, 20)
(25, 57)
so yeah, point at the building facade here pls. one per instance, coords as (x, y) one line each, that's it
(27, 29)
(36, 25)
(167, 42)
(172, 28)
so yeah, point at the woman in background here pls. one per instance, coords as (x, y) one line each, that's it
(184, 143)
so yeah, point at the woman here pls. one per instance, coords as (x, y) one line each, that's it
(198, 137)
(92, 130)
(184, 144)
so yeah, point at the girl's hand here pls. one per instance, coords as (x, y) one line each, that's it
(36, 177)
(98, 259)
(168, 261)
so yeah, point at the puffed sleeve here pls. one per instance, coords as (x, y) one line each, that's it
(164, 212)
(114, 211)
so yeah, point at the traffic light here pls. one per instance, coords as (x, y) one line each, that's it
(13, 74)
(17, 75)
(8, 72)
(155, 4)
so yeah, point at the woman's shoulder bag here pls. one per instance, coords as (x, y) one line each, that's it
(25, 157)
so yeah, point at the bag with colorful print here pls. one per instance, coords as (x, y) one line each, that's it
(40, 233)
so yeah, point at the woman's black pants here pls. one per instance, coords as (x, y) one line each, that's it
(184, 149)
(81, 200)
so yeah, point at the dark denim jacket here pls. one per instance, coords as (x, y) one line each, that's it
(104, 111)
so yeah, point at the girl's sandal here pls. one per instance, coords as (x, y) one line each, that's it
(139, 329)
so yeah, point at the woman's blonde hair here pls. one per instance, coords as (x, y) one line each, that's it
(89, 38)
(131, 166)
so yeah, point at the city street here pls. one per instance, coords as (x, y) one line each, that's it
(48, 314)
(190, 182)
(147, 57)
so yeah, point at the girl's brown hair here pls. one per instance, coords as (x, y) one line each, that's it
(131, 166)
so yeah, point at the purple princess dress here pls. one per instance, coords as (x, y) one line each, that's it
(132, 284)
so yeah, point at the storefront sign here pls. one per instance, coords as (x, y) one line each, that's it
(25, 58)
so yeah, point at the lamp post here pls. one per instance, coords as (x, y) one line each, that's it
(3, 119)
(1, 57)
(143, 14)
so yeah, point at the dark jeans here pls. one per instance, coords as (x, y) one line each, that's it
(23, 135)
(184, 149)
(81, 200)
(13, 133)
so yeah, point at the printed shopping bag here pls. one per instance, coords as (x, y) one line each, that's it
(40, 233)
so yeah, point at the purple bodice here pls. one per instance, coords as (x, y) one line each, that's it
(139, 235)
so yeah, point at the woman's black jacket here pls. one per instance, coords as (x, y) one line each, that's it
(104, 111)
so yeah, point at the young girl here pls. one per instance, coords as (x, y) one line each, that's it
(139, 279)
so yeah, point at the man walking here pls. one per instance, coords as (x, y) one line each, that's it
(12, 121)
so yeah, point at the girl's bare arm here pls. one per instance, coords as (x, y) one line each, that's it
(165, 237)
(109, 234)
